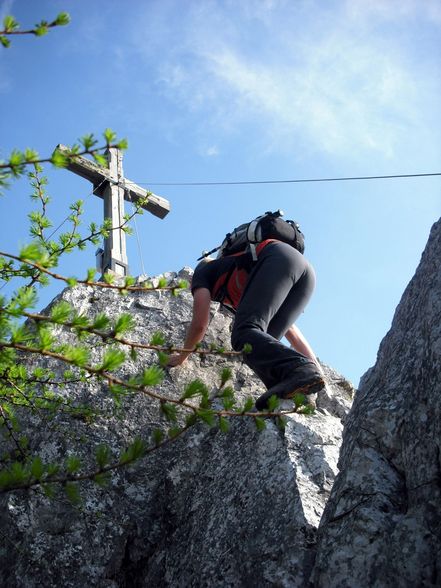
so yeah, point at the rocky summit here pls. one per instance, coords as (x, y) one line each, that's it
(245, 508)
(211, 508)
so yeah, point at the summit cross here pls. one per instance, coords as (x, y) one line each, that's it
(110, 185)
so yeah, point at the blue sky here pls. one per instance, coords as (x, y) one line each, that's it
(251, 90)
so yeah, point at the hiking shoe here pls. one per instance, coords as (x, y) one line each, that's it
(306, 383)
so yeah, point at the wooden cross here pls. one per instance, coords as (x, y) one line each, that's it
(110, 184)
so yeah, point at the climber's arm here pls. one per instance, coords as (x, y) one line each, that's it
(300, 344)
(197, 327)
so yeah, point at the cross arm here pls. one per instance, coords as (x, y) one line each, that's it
(99, 176)
(155, 204)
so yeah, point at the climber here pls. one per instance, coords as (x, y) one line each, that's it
(267, 295)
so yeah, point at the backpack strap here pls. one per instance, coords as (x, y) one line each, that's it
(241, 263)
(221, 293)
(253, 236)
(252, 230)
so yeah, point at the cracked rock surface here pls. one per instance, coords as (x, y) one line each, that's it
(382, 524)
(209, 509)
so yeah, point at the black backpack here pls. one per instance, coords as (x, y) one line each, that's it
(267, 226)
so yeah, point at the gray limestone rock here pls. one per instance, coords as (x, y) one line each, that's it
(382, 524)
(209, 509)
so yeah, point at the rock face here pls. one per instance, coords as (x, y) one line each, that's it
(382, 524)
(209, 509)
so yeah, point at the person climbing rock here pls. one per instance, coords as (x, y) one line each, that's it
(267, 296)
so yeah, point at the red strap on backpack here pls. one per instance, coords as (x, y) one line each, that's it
(229, 286)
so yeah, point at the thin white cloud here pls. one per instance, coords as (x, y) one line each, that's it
(394, 10)
(327, 80)
(212, 151)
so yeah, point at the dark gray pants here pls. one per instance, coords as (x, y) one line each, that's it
(278, 289)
